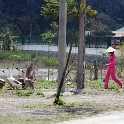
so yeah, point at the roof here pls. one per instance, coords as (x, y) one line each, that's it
(118, 33)
(121, 29)
(118, 36)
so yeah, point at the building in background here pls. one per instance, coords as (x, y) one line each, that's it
(118, 38)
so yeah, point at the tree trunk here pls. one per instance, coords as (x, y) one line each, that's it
(68, 58)
(95, 70)
(81, 50)
(62, 41)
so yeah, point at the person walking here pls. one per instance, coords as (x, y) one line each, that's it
(111, 68)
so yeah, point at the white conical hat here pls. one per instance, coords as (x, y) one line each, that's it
(110, 49)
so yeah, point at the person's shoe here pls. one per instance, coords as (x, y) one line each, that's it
(105, 87)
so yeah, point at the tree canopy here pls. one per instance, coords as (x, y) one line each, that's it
(25, 15)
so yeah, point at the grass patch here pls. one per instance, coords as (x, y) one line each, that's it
(100, 85)
(31, 106)
(50, 84)
(66, 111)
(15, 119)
(46, 84)
(40, 93)
(39, 105)
(58, 118)
(63, 105)
(24, 93)
(94, 84)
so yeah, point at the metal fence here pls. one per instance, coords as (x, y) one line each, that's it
(94, 45)
(91, 41)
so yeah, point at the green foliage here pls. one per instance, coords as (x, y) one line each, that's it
(105, 19)
(19, 55)
(98, 28)
(69, 77)
(54, 25)
(120, 60)
(6, 40)
(17, 17)
(120, 55)
(14, 55)
(88, 65)
(103, 53)
(50, 10)
(48, 36)
(88, 10)
(50, 61)
(92, 12)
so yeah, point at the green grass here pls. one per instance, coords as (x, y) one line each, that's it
(46, 84)
(31, 106)
(50, 84)
(97, 86)
(10, 63)
(65, 110)
(100, 85)
(15, 119)
(40, 93)
(24, 93)
(18, 57)
(63, 105)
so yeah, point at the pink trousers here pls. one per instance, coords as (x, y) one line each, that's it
(111, 72)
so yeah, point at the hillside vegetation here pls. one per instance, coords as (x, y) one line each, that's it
(23, 17)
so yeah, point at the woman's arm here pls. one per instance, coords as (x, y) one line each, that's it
(112, 61)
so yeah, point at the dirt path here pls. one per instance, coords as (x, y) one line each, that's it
(108, 118)
(15, 105)
(9, 105)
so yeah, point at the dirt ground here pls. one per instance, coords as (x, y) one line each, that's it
(107, 118)
(104, 101)
(110, 103)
